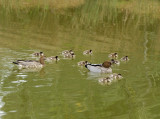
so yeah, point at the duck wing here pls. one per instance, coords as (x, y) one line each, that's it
(26, 62)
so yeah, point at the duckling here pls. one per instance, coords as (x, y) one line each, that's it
(69, 55)
(82, 63)
(115, 62)
(87, 52)
(52, 58)
(116, 76)
(30, 63)
(38, 54)
(106, 80)
(113, 55)
(125, 58)
(67, 52)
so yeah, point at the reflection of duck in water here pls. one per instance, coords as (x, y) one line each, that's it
(52, 58)
(100, 68)
(87, 52)
(38, 54)
(113, 55)
(30, 63)
(125, 58)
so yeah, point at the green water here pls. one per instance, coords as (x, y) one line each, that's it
(63, 90)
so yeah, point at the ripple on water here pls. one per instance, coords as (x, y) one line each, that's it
(19, 81)
(22, 76)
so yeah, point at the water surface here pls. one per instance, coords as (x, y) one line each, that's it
(63, 90)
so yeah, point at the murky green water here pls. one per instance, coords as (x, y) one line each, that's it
(63, 90)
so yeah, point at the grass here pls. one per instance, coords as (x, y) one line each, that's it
(84, 14)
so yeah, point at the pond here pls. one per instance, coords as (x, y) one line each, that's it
(63, 90)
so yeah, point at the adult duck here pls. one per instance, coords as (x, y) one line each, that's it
(100, 68)
(30, 63)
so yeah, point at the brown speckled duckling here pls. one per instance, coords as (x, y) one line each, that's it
(113, 55)
(82, 63)
(69, 55)
(106, 80)
(38, 54)
(116, 76)
(87, 52)
(113, 61)
(67, 52)
(52, 58)
(125, 58)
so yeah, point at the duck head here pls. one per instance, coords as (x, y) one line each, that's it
(107, 64)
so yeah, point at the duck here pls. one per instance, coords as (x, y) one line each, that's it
(113, 61)
(52, 58)
(67, 52)
(125, 58)
(82, 63)
(38, 54)
(99, 68)
(113, 55)
(30, 63)
(106, 80)
(87, 52)
(116, 76)
(69, 55)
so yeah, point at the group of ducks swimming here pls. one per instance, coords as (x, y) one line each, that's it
(104, 67)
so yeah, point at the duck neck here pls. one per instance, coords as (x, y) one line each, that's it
(41, 60)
